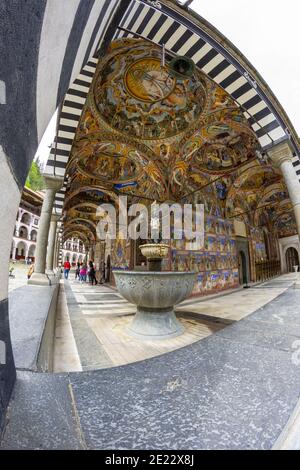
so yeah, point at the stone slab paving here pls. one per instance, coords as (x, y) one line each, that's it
(91, 353)
(233, 390)
(238, 304)
(27, 323)
(107, 343)
(41, 414)
(20, 275)
(65, 354)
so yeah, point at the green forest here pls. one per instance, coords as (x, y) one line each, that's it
(35, 179)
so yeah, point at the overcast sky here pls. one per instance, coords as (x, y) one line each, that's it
(266, 32)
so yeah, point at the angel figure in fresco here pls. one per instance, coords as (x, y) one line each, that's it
(88, 124)
(104, 167)
(116, 169)
(221, 189)
(221, 98)
(128, 168)
(179, 171)
(190, 148)
(164, 151)
(178, 97)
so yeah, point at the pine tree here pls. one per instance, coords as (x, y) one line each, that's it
(34, 179)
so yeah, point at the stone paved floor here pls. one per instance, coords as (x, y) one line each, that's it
(91, 330)
(20, 276)
(235, 389)
(92, 321)
(237, 305)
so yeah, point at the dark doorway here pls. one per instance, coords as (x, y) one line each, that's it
(108, 269)
(140, 259)
(292, 259)
(242, 268)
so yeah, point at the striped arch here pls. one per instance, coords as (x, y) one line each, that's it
(187, 34)
(270, 190)
(79, 207)
(71, 232)
(69, 118)
(74, 99)
(71, 110)
(191, 36)
(81, 220)
(81, 189)
(75, 228)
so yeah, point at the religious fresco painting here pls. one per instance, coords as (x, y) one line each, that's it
(216, 264)
(153, 136)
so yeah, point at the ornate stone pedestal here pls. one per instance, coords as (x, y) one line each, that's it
(155, 294)
(155, 252)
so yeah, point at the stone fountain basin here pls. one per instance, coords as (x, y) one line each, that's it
(155, 294)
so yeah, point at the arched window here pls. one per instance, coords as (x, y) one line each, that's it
(33, 235)
(26, 218)
(21, 250)
(23, 232)
(292, 259)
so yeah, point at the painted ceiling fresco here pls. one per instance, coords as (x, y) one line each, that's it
(148, 134)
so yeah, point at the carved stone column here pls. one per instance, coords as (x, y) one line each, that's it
(53, 184)
(281, 155)
(51, 243)
(56, 248)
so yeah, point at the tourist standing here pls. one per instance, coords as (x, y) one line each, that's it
(67, 268)
(30, 271)
(83, 272)
(92, 274)
(77, 272)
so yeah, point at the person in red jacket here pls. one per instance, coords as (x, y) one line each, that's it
(67, 268)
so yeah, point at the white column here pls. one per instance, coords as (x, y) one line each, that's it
(51, 243)
(55, 261)
(281, 155)
(26, 252)
(53, 184)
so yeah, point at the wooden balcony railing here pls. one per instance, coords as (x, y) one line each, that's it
(267, 269)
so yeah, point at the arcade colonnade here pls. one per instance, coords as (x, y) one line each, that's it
(281, 156)
(52, 55)
(49, 243)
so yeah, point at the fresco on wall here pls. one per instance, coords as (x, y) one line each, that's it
(153, 136)
(258, 244)
(216, 264)
(286, 225)
(176, 131)
(134, 95)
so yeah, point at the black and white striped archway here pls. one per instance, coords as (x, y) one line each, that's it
(48, 54)
(181, 34)
(44, 45)
(186, 34)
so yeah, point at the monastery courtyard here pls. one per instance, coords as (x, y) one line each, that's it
(150, 235)
(242, 342)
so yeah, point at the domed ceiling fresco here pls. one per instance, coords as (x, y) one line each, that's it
(151, 134)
